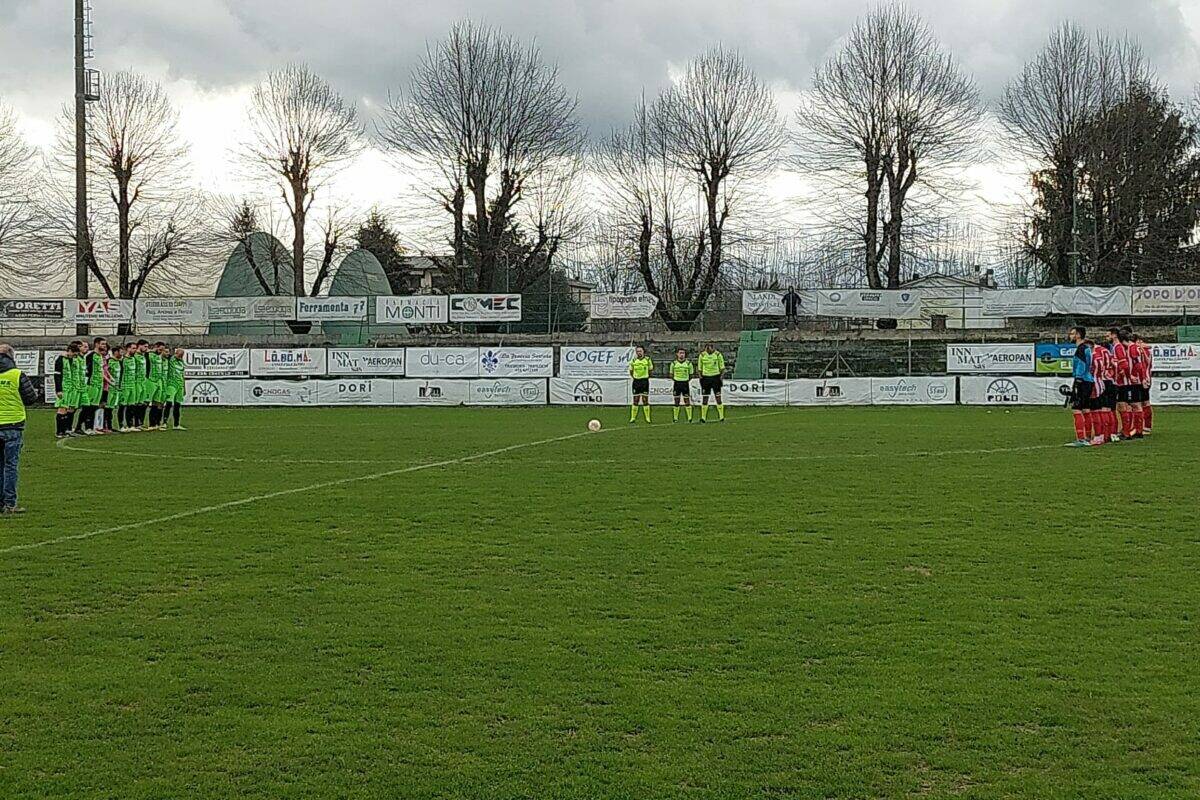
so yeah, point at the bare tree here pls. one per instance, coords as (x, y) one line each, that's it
(146, 224)
(485, 113)
(710, 138)
(19, 223)
(890, 115)
(300, 132)
(1048, 111)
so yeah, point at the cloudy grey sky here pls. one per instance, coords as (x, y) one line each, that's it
(209, 51)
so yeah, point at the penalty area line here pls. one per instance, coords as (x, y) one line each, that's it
(258, 498)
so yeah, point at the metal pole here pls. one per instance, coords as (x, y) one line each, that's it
(81, 210)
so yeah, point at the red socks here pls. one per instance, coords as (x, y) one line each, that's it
(1080, 426)
(1147, 418)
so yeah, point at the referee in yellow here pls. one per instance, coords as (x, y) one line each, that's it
(711, 366)
(639, 370)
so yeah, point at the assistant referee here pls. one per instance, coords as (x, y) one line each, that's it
(711, 366)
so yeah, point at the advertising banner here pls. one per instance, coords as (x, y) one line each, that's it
(755, 393)
(442, 362)
(279, 393)
(1018, 302)
(355, 392)
(911, 391)
(1008, 390)
(408, 392)
(251, 309)
(1182, 357)
(1175, 391)
(989, 358)
(28, 362)
(590, 392)
(594, 362)
(216, 362)
(1094, 301)
(206, 392)
(15, 310)
(413, 310)
(1054, 358)
(485, 308)
(772, 303)
(610, 305)
(516, 362)
(662, 392)
(331, 309)
(871, 303)
(830, 392)
(366, 361)
(288, 361)
(102, 310)
(1166, 300)
(507, 392)
(171, 311)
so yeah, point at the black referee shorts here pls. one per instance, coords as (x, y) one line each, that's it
(641, 386)
(710, 385)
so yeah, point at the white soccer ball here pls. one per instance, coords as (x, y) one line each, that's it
(594, 426)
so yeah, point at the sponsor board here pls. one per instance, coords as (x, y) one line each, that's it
(1092, 301)
(206, 392)
(755, 392)
(171, 311)
(1054, 358)
(1165, 300)
(1175, 391)
(280, 393)
(251, 309)
(1182, 357)
(442, 362)
(598, 391)
(102, 310)
(507, 392)
(366, 361)
(485, 308)
(910, 391)
(33, 310)
(331, 309)
(408, 392)
(594, 362)
(1017, 302)
(413, 309)
(1009, 390)
(28, 361)
(830, 392)
(296, 361)
(516, 362)
(770, 303)
(869, 303)
(610, 305)
(989, 358)
(662, 392)
(216, 362)
(355, 392)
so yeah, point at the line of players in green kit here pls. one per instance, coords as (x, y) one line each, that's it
(121, 388)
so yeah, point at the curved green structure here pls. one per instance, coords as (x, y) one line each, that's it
(274, 263)
(360, 274)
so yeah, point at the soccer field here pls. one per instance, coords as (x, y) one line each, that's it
(830, 603)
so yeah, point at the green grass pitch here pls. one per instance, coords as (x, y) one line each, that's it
(461, 603)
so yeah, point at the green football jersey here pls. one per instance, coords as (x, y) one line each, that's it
(175, 371)
(156, 373)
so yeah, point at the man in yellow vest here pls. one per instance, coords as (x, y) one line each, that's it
(711, 366)
(16, 392)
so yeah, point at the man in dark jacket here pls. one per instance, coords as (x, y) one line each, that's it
(16, 392)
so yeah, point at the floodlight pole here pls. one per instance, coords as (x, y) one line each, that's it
(81, 210)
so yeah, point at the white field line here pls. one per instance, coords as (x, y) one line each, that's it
(63, 444)
(822, 456)
(314, 487)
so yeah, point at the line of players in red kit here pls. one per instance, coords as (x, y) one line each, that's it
(1110, 395)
